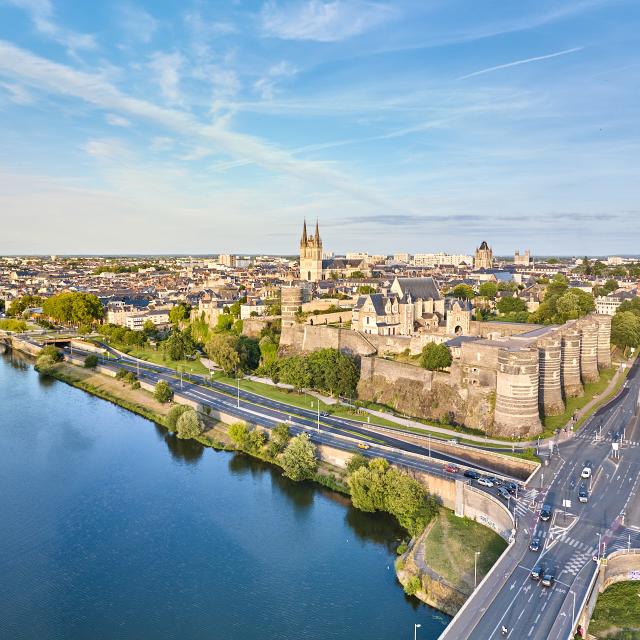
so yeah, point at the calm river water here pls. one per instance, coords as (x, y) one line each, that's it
(110, 528)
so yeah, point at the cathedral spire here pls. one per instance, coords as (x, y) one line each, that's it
(304, 233)
(317, 236)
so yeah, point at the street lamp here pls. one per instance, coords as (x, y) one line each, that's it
(599, 544)
(415, 630)
(238, 381)
(475, 569)
(573, 611)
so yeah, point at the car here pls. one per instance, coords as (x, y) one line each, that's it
(451, 468)
(616, 436)
(537, 572)
(545, 512)
(485, 482)
(470, 473)
(534, 545)
(453, 441)
(548, 579)
(583, 494)
(498, 482)
(511, 487)
(362, 445)
(503, 493)
(586, 471)
(325, 414)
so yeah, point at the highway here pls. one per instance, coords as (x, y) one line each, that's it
(338, 432)
(575, 534)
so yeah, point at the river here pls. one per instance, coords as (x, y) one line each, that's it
(110, 528)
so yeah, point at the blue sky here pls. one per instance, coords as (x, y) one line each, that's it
(198, 127)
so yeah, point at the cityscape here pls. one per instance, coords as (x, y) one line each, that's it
(301, 339)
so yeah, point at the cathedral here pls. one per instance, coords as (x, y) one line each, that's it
(313, 267)
(484, 257)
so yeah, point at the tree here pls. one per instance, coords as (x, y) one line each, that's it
(19, 305)
(224, 323)
(356, 275)
(280, 436)
(189, 425)
(221, 348)
(73, 308)
(488, 290)
(356, 461)
(511, 305)
(91, 361)
(463, 291)
(9, 324)
(178, 313)
(299, 458)
(163, 392)
(435, 357)
(625, 329)
(149, 329)
(248, 350)
(48, 357)
(249, 440)
(365, 289)
(295, 371)
(179, 345)
(174, 413)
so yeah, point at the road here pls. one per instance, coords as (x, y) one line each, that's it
(575, 534)
(338, 432)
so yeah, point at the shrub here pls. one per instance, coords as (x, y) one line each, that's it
(163, 392)
(91, 361)
(174, 414)
(299, 459)
(414, 584)
(189, 425)
(402, 548)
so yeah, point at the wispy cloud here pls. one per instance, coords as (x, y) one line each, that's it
(61, 79)
(17, 93)
(137, 23)
(105, 148)
(265, 86)
(324, 21)
(42, 15)
(166, 69)
(117, 121)
(517, 63)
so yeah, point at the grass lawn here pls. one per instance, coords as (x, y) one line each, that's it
(450, 546)
(617, 612)
(157, 357)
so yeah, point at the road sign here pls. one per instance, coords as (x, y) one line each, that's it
(615, 446)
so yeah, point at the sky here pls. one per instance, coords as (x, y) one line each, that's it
(200, 127)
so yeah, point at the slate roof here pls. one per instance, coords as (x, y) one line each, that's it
(424, 288)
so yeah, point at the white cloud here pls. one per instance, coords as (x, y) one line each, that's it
(166, 67)
(17, 93)
(138, 23)
(266, 84)
(517, 63)
(323, 21)
(63, 80)
(105, 148)
(41, 14)
(117, 121)
(162, 143)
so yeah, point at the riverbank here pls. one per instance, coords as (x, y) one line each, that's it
(617, 612)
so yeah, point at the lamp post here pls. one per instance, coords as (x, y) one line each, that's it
(599, 544)
(475, 569)
(238, 381)
(573, 611)
(415, 630)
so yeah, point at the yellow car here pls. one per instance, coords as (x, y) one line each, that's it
(362, 445)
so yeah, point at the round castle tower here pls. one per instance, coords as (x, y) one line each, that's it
(550, 363)
(589, 351)
(517, 393)
(604, 341)
(291, 301)
(571, 382)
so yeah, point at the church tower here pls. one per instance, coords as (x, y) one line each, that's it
(484, 257)
(310, 255)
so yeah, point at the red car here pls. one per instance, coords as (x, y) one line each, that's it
(451, 468)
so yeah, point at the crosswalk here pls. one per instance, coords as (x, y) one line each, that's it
(526, 502)
(591, 437)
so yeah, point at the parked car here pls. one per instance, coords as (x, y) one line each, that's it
(362, 445)
(583, 494)
(511, 487)
(545, 512)
(498, 482)
(503, 493)
(536, 572)
(453, 441)
(534, 545)
(470, 473)
(548, 579)
(485, 482)
(451, 468)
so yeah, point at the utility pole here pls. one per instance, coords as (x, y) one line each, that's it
(318, 416)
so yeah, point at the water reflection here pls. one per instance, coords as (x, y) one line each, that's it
(379, 528)
(188, 451)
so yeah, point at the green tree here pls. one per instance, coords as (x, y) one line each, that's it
(356, 461)
(488, 290)
(10, 324)
(91, 361)
(356, 275)
(163, 392)
(178, 345)
(249, 440)
(366, 289)
(463, 291)
(178, 313)
(511, 305)
(174, 413)
(73, 308)
(295, 370)
(224, 323)
(435, 357)
(299, 459)
(149, 330)
(189, 425)
(625, 329)
(19, 305)
(221, 348)
(248, 350)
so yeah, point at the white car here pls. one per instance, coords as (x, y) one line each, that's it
(485, 482)
(586, 472)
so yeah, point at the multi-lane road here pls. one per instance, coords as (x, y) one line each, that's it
(576, 533)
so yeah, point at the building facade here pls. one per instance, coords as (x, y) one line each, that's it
(484, 257)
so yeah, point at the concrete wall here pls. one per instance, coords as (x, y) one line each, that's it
(487, 510)
(393, 371)
(505, 329)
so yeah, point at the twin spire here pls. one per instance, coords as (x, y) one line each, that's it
(315, 239)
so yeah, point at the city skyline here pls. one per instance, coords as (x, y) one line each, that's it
(402, 127)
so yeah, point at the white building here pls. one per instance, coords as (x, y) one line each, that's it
(438, 259)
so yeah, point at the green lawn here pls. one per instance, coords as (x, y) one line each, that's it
(617, 612)
(157, 357)
(450, 547)
(591, 389)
